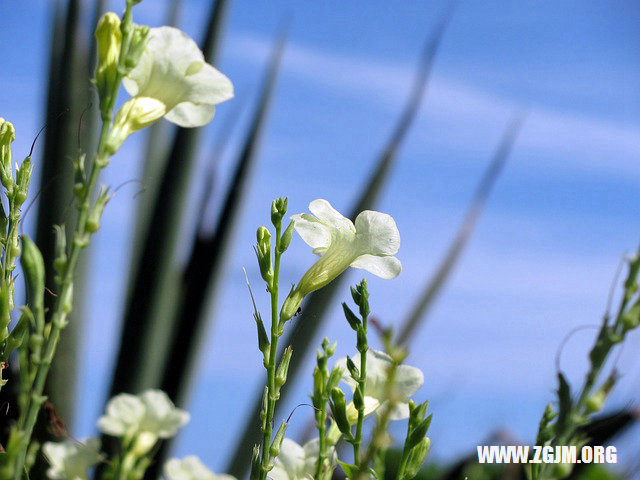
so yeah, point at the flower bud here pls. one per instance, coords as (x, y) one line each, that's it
(596, 401)
(283, 368)
(416, 458)
(354, 322)
(263, 252)
(277, 440)
(278, 210)
(285, 240)
(34, 273)
(353, 370)
(7, 136)
(93, 220)
(255, 463)
(108, 40)
(419, 432)
(136, 47)
(23, 177)
(60, 255)
(339, 410)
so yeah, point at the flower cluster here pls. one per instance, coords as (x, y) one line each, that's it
(144, 419)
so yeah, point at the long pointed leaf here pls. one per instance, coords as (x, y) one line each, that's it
(302, 334)
(150, 297)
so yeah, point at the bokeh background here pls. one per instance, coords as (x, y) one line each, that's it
(541, 261)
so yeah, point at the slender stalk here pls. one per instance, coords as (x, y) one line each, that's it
(271, 368)
(361, 385)
(64, 300)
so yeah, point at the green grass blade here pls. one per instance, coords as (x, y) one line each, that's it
(436, 283)
(150, 298)
(303, 332)
(68, 92)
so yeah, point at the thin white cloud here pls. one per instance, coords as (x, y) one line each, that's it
(470, 115)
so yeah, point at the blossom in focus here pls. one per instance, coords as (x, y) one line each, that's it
(407, 381)
(369, 244)
(172, 80)
(70, 460)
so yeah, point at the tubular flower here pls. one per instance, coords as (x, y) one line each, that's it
(369, 244)
(408, 381)
(297, 462)
(70, 460)
(191, 468)
(171, 80)
(145, 418)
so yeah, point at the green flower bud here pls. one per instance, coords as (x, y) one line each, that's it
(353, 370)
(416, 458)
(263, 252)
(278, 210)
(363, 303)
(34, 274)
(419, 432)
(354, 322)
(263, 340)
(93, 220)
(277, 440)
(108, 41)
(7, 136)
(255, 463)
(23, 177)
(265, 403)
(285, 240)
(136, 47)
(283, 368)
(339, 411)
(358, 398)
(596, 401)
(60, 258)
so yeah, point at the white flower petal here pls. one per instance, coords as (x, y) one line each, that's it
(315, 233)
(377, 233)
(189, 115)
(331, 217)
(163, 64)
(408, 380)
(383, 267)
(400, 411)
(191, 468)
(291, 459)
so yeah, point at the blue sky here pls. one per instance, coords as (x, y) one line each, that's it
(544, 253)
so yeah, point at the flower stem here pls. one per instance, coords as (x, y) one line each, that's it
(362, 381)
(80, 238)
(276, 331)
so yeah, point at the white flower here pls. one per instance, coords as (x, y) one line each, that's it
(408, 381)
(147, 417)
(70, 460)
(191, 468)
(369, 244)
(171, 80)
(297, 462)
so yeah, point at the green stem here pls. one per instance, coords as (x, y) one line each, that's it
(322, 435)
(362, 381)
(271, 368)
